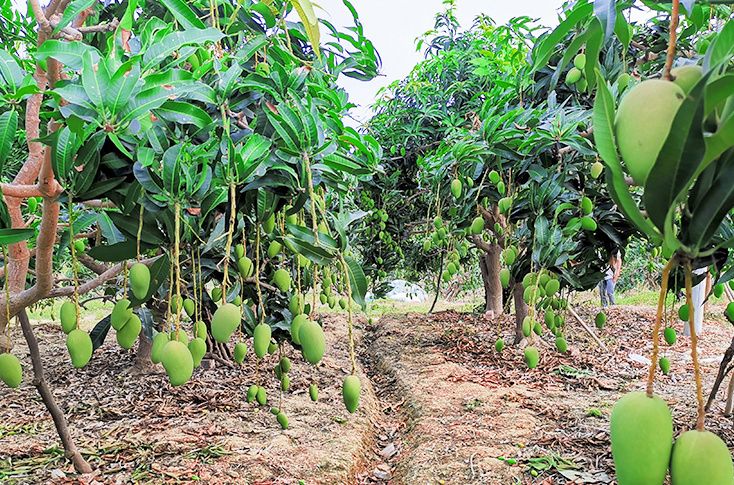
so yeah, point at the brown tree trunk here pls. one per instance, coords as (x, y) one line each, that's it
(521, 310)
(489, 264)
(142, 363)
(39, 380)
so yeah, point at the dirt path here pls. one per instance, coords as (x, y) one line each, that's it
(474, 416)
(137, 429)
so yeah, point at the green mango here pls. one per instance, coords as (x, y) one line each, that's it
(527, 326)
(456, 188)
(252, 393)
(499, 345)
(296, 325)
(477, 225)
(505, 277)
(245, 267)
(642, 438)
(189, 307)
(261, 396)
(239, 251)
(313, 392)
(588, 223)
(262, 334)
(313, 342)
(282, 420)
(718, 290)
(240, 351)
(729, 312)
(128, 334)
(596, 169)
(573, 76)
(197, 347)
(274, 249)
(552, 287)
(178, 362)
(295, 305)
(561, 344)
(509, 256)
(579, 62)
(285, 364)
(121, 313)
(269, 224)
(68, 318)
(139, 280)
(532, 357)
(670, 335)
(282, 279)
(664, 364)
(494, 177)
(600, 320)
(216, 294)
(79, 345)
(351, 389)
(683, 312)
(225, 321)
(11, 373)
(200, 330)
(285, 383)
(180, 335)
(159, 341)
(701, 457)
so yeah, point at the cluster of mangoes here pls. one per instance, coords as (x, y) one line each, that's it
(575, 76)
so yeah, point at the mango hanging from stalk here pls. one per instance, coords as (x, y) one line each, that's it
(251, 393)
(274, 249)
(11, 373)
(128, 334)
(240, 351)
(68, 318)
(351, 389)
(664, 364)
(225, 321)
(244, 267)
(139, 280)
(121, 313)
(197, 347)
(642, 439)
(499, 345)
(313, 392)
(79, 345)
(505, 277)
(239, 251)
(296, 325)
(189, 307)
(261, 396)
(532, 357)
(701, 457)
(262, 334)
(282, 420)
(477, 225)
(561, 344)
(159, 341)
(282, 279)
(269, 224)
(313, 342)
(596, 169)
(456, 188)
(683, 312)
(687, 76)
(670, 336)
(178, 362)
(216, 294)
(200, 330)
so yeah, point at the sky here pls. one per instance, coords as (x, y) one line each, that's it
(394, 25)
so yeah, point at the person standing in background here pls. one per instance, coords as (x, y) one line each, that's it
(607, 285)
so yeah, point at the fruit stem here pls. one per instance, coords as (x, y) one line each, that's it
(658, 320)
(674, 18)
(260, 302)
(350, 325)
(140, 232)
(230, 234)
(701, 413)
(176, 249)
(74, 268)
(7, 299)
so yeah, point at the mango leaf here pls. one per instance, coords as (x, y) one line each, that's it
(175, 40)
(603, 119)
(679, 160)
(63, 151)
(357, 280)
(94, 79)
(128, 225)
(71, 12)
(183, 14)
(8, 127)
(184, 114)
(100, 331)
(721, 48)
(10, 72)
(606, 12)
(714, 205)
(310, 22)
(12, 236)
(122, 86)
(70, 54)
(593, 49)
(114, 253)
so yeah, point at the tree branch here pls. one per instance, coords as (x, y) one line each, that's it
(96, 282)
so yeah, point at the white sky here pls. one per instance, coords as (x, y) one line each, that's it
(394, 25)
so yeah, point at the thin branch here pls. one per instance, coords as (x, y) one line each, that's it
(96, 282)
(674, 18)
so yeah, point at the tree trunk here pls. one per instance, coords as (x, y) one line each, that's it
(489, 264)
(142, 363)
(438, 284)
(39, 380)
(521, 310)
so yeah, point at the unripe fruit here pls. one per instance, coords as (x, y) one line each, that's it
(285, 364)
(200, 330)
(178, 362)
(561, 344)
(670, 336)
(351, 389)
(79, 345)
(532, 357)
(730, 312)
(596, 169)
(664, 364)
(176, 304)
(225, 321)
(718, 290)
(343, 303)
(687, 76)
(579, 61)
(313, 342)
(499, 345)
(537, 328)
(456, 188)
(282, 279)
(159, 342)
(501, 188)
(240, 351)
(128, 334)
(313, 392)
(216, 294)
(285, 383)
(67, 315)
(573, 76)
(282, 420)
(505, 277)
(262, 334)
(477, 225)
(189, 307)
(239, 251)
(180, 335)
(552, 287)
(683, 312)
(269, 224)
(642, 437)
(701, 457)
(623, 81)
(588, 223)
(587, 207)
(295, 305)
(509, 255)
(11, 373)
(643, 122)
(296, 325)
(261, 396)
(244, 267)
(197, 347)
(272, 347)
(600, 320)
(505, 204)
(252, 393)
(274, 249)
(494, 177)
(438, 222)
(139, 280)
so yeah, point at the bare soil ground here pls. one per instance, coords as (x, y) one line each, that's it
(136, 428)
(475, 416)
(439, 406)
